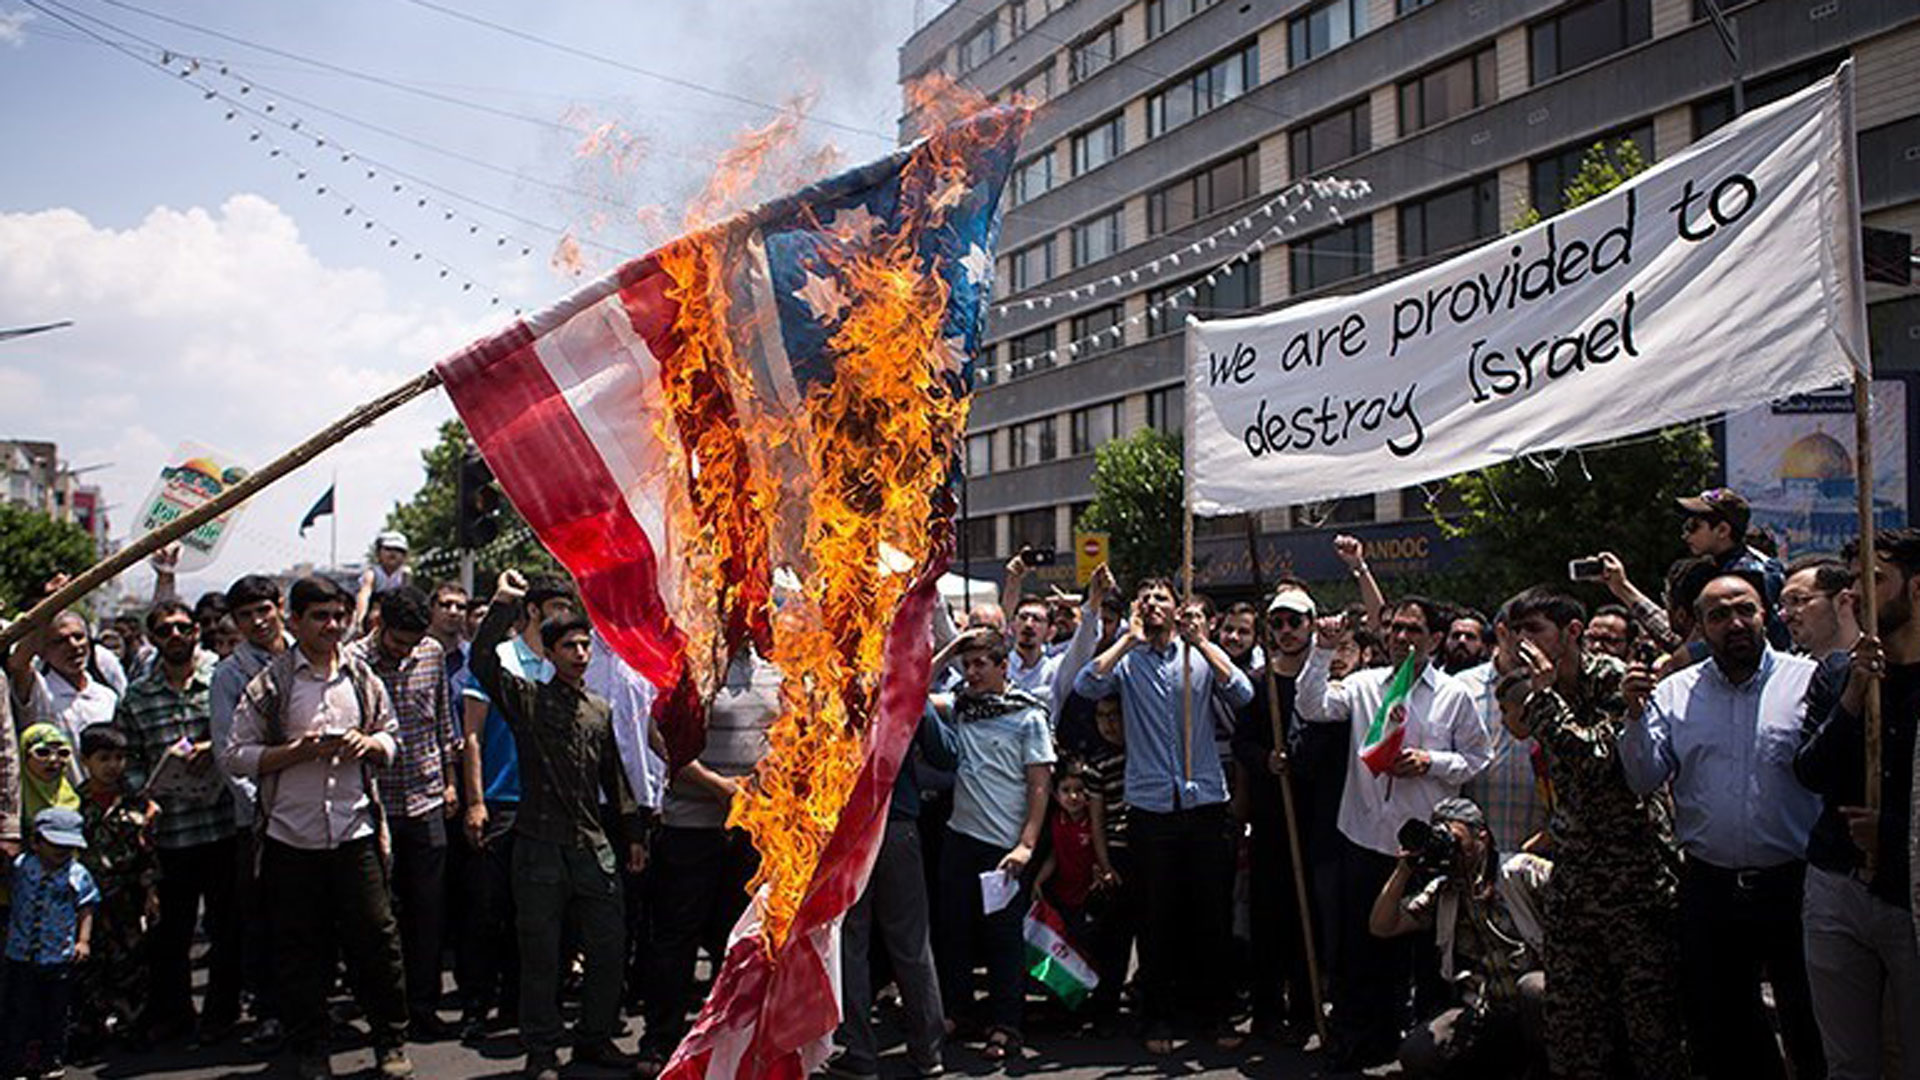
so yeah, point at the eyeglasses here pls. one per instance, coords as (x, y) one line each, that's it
(175, 629)
(51, 752)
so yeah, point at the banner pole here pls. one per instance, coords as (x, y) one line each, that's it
(1869, 574)
(103, 571)
(1285, 776)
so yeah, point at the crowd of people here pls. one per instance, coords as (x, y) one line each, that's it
(1634, 840)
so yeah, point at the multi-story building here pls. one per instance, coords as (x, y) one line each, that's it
(1165, 123)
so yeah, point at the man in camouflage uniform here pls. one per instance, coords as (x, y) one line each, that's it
(1611, 954)
(120, 856)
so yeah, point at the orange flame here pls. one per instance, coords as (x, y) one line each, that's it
(841, 492)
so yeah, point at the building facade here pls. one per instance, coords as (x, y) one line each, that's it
(1166, 124)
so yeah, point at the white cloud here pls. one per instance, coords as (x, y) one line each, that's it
(13, 27)
(223, 328)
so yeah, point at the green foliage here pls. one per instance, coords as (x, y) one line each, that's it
(1527, 521)
(1137, 502)
(33, 548)
(428, 521)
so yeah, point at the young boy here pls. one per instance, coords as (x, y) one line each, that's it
(47, 934)
(1106, 771)
(120, 855)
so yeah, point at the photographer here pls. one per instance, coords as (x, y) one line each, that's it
(1485, 913)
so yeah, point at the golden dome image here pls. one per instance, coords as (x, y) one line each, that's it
(1816, 457)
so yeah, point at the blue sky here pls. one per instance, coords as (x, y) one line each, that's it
(220, 297)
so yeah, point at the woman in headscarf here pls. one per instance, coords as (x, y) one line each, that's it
(45, 754)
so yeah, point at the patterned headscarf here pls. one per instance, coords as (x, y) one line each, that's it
(37, 794)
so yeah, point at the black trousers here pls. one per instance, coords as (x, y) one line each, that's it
(968, 937)
(34, 999)
(700, 878)
(189, 876)
(256, 929)
(419, 898)
(489, 958)
(1735, 928)
(1184, 860)
(1372, 977)
(332, 903)
(1280, 982)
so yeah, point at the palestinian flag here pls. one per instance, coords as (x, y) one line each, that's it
(1052, 958)
(1389, 726)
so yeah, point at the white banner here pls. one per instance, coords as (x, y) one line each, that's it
(1727, 276)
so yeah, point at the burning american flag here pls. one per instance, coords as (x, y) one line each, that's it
(747, 438)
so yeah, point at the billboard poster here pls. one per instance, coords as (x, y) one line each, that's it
(1793, 460)
(193, 476)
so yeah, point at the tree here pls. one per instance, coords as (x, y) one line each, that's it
(1137, 502)
(33, 548)
(1526, 520)
(428, 520)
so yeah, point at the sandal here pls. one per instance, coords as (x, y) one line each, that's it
(1001, 1045)
(1159, 1040)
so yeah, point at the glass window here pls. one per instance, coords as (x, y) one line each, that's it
(1447, 91)
(1095, 426)
(1200, 92)
(1332, 256)
(977, 537)
(976, 48)
(1335, 137)
(1164, 15)
(1357, 510)
(979, 454)
(1167, 410)
(1097, 239)
(1032, 528)
(1214, 188)
(1551, 174)
(1099, 331)
(1031, 443)
(1324, 28)
(1030, 266)
(1404, 7)
(1037, 87)
(1031, 351)
(1033, 178)
(1450, 219)
(1717, 111)
(1587, 32)
(1093, 53)
(1098, 144)
(1232, 291)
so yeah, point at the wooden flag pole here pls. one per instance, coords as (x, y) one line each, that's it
(103, 571)
(1869, 573)
(1274, 720)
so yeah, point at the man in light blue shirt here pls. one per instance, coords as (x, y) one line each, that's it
(1724, 735)
(1177, 794)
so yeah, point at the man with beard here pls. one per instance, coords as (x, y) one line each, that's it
(1442, 746)
(1176, 792)
(1611, 632)
(1613, 999)
(1818, 609)
(1861, 956)
(1282, 997)
(1468, 641)
(1724, 734)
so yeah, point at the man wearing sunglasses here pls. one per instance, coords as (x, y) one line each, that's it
(1716, 526)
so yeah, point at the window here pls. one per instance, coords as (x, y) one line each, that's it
(1094, 53)
(977, 538)
(1037, 87)
(1167, 409)
(1030, 266)
(1324, 28)
(1095, 240)
(1032, 528)
(1021, 17)
(1717, 111)
(1335, 255)
(1358, 510)
(1164, 15)
(1203, 91)
(1335, 137)
(1190, 198)
(1031, 443)
(1447, 91)
(1099, 331)
(1552, 173)
(1031, 351)
(1095, 426)
(977, 47)
(1098, 144)
(1033, 178)
(979, 455)
(1405, 7)
(1585, 33)
(1232, 291)
(1450, 219)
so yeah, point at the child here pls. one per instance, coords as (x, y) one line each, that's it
(45, 757)
(1106, 772)
(120, 856)
(388, 572)
(1077, 864)
(47, 934)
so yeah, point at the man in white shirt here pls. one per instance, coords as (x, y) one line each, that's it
(1443, 744)
(64, 694)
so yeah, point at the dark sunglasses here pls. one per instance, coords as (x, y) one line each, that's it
(174, 629)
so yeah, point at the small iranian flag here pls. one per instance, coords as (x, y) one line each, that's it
(1389, 726)
(1052, 958)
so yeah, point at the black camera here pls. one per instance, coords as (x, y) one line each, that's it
(1035, 555)
(1431, 849)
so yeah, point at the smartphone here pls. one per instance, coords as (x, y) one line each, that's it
(1586, 570)
(1037, 556)
(1646, 652)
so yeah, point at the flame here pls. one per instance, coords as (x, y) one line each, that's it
(835, 497)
